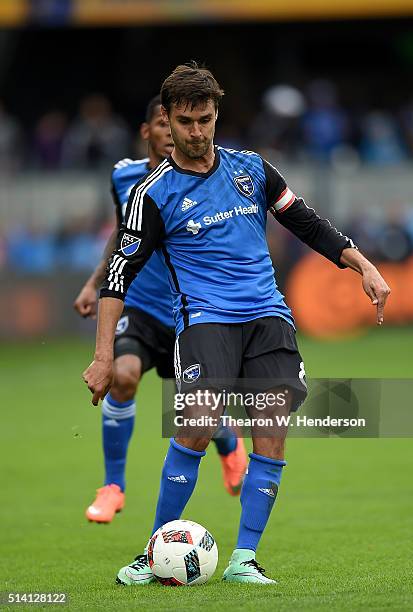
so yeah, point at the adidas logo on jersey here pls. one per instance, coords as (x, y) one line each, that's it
(193, 227)
(180, 478)
(268, 492)
(187, 203)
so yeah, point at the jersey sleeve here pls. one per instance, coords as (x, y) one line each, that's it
(278, 195)
(293, 213)
(136, 242)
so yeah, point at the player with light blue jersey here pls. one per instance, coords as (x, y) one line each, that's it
(214, 238)
(145, 338)
(151, 293)
(204, 209)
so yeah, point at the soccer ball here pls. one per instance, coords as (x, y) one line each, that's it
(182, 553)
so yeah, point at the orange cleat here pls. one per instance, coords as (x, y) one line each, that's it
(109, 500)
(234, 467)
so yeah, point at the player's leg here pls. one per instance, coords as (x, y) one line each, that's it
(204, 355)
(118, 412)
(118, 417)
(230, 448)
(258, 496)
(260, 488)
(132, 359)
(203, 352)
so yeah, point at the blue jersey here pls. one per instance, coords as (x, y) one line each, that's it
(150, 292)
(211, 230)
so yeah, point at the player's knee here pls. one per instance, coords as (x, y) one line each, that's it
(196, 444)
(126, 377)
(273, 448)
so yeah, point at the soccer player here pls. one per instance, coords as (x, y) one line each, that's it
(145, 338)
(231, 320)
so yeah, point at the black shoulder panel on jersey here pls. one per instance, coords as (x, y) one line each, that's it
(274, 184)
(133, 249)
(318, 233)
(116, 201)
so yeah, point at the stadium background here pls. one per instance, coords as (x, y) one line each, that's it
(325, 93)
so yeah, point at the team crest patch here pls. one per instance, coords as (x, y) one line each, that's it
(192, 373)
(129, 244)
(244, 184)
(122, 325)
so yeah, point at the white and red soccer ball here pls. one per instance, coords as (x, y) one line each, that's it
(182, 553)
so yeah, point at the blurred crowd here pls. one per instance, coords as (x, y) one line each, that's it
(312, 125)
(94, 139)
(77, 246)
(290, 125)
(317, 127)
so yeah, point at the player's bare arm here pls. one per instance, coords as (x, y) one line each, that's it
(373, 283)
(86, 302)
(136, 241)
(99, 374)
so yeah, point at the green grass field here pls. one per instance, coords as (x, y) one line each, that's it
(340, 537)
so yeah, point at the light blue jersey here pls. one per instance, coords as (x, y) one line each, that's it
(211, 230)
(150, 292)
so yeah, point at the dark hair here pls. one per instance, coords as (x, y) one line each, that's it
(150, 109)
(192, 85)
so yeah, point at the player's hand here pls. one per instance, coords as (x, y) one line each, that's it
(86, 302)
(99, 377)
(377, 289)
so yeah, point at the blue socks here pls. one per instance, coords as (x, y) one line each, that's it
(117, 425)
(259, 491)
(225, 440)
(179, 476)
(258, 495)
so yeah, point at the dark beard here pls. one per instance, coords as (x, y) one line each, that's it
(190, 152)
